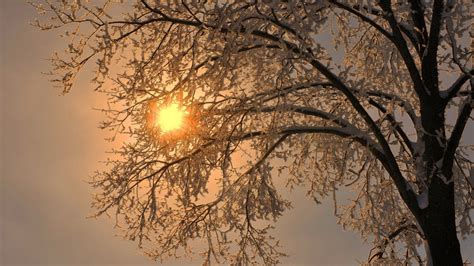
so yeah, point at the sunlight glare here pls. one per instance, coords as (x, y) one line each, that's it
(170, 118)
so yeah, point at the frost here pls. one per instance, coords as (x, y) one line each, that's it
(267, 93)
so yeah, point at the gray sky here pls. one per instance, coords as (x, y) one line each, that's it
(50, 144)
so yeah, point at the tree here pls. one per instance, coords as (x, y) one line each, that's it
(324, 94)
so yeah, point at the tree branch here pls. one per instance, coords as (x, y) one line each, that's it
(364, 18)
(453, 90)
(389, 238)
(395, 125)
(417, 15)
(429, 65)
(391, 164)
(404, 51)
(324, 115)
(336, 131)
(455, 138)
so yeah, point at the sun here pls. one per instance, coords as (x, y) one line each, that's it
(170, 118)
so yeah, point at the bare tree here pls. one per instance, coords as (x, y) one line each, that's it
(322, 94)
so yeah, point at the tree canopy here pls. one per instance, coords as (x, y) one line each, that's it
(322, 94)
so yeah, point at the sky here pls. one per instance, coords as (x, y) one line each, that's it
(50, 145)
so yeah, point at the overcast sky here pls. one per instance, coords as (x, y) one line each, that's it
(50, 144)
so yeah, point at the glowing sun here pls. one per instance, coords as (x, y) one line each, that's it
(170, 118)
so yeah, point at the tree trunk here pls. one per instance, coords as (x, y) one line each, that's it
(438, 219)
(440, 225)
(444, 246)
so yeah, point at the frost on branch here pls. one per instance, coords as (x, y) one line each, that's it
(268, 99)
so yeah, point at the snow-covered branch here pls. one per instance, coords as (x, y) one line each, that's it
(457, 85)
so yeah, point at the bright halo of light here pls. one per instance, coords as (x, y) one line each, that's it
(170, 118)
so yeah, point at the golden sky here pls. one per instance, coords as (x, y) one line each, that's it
(50, 144)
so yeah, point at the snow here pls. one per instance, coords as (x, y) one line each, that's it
(445, 180)
(422, 199)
